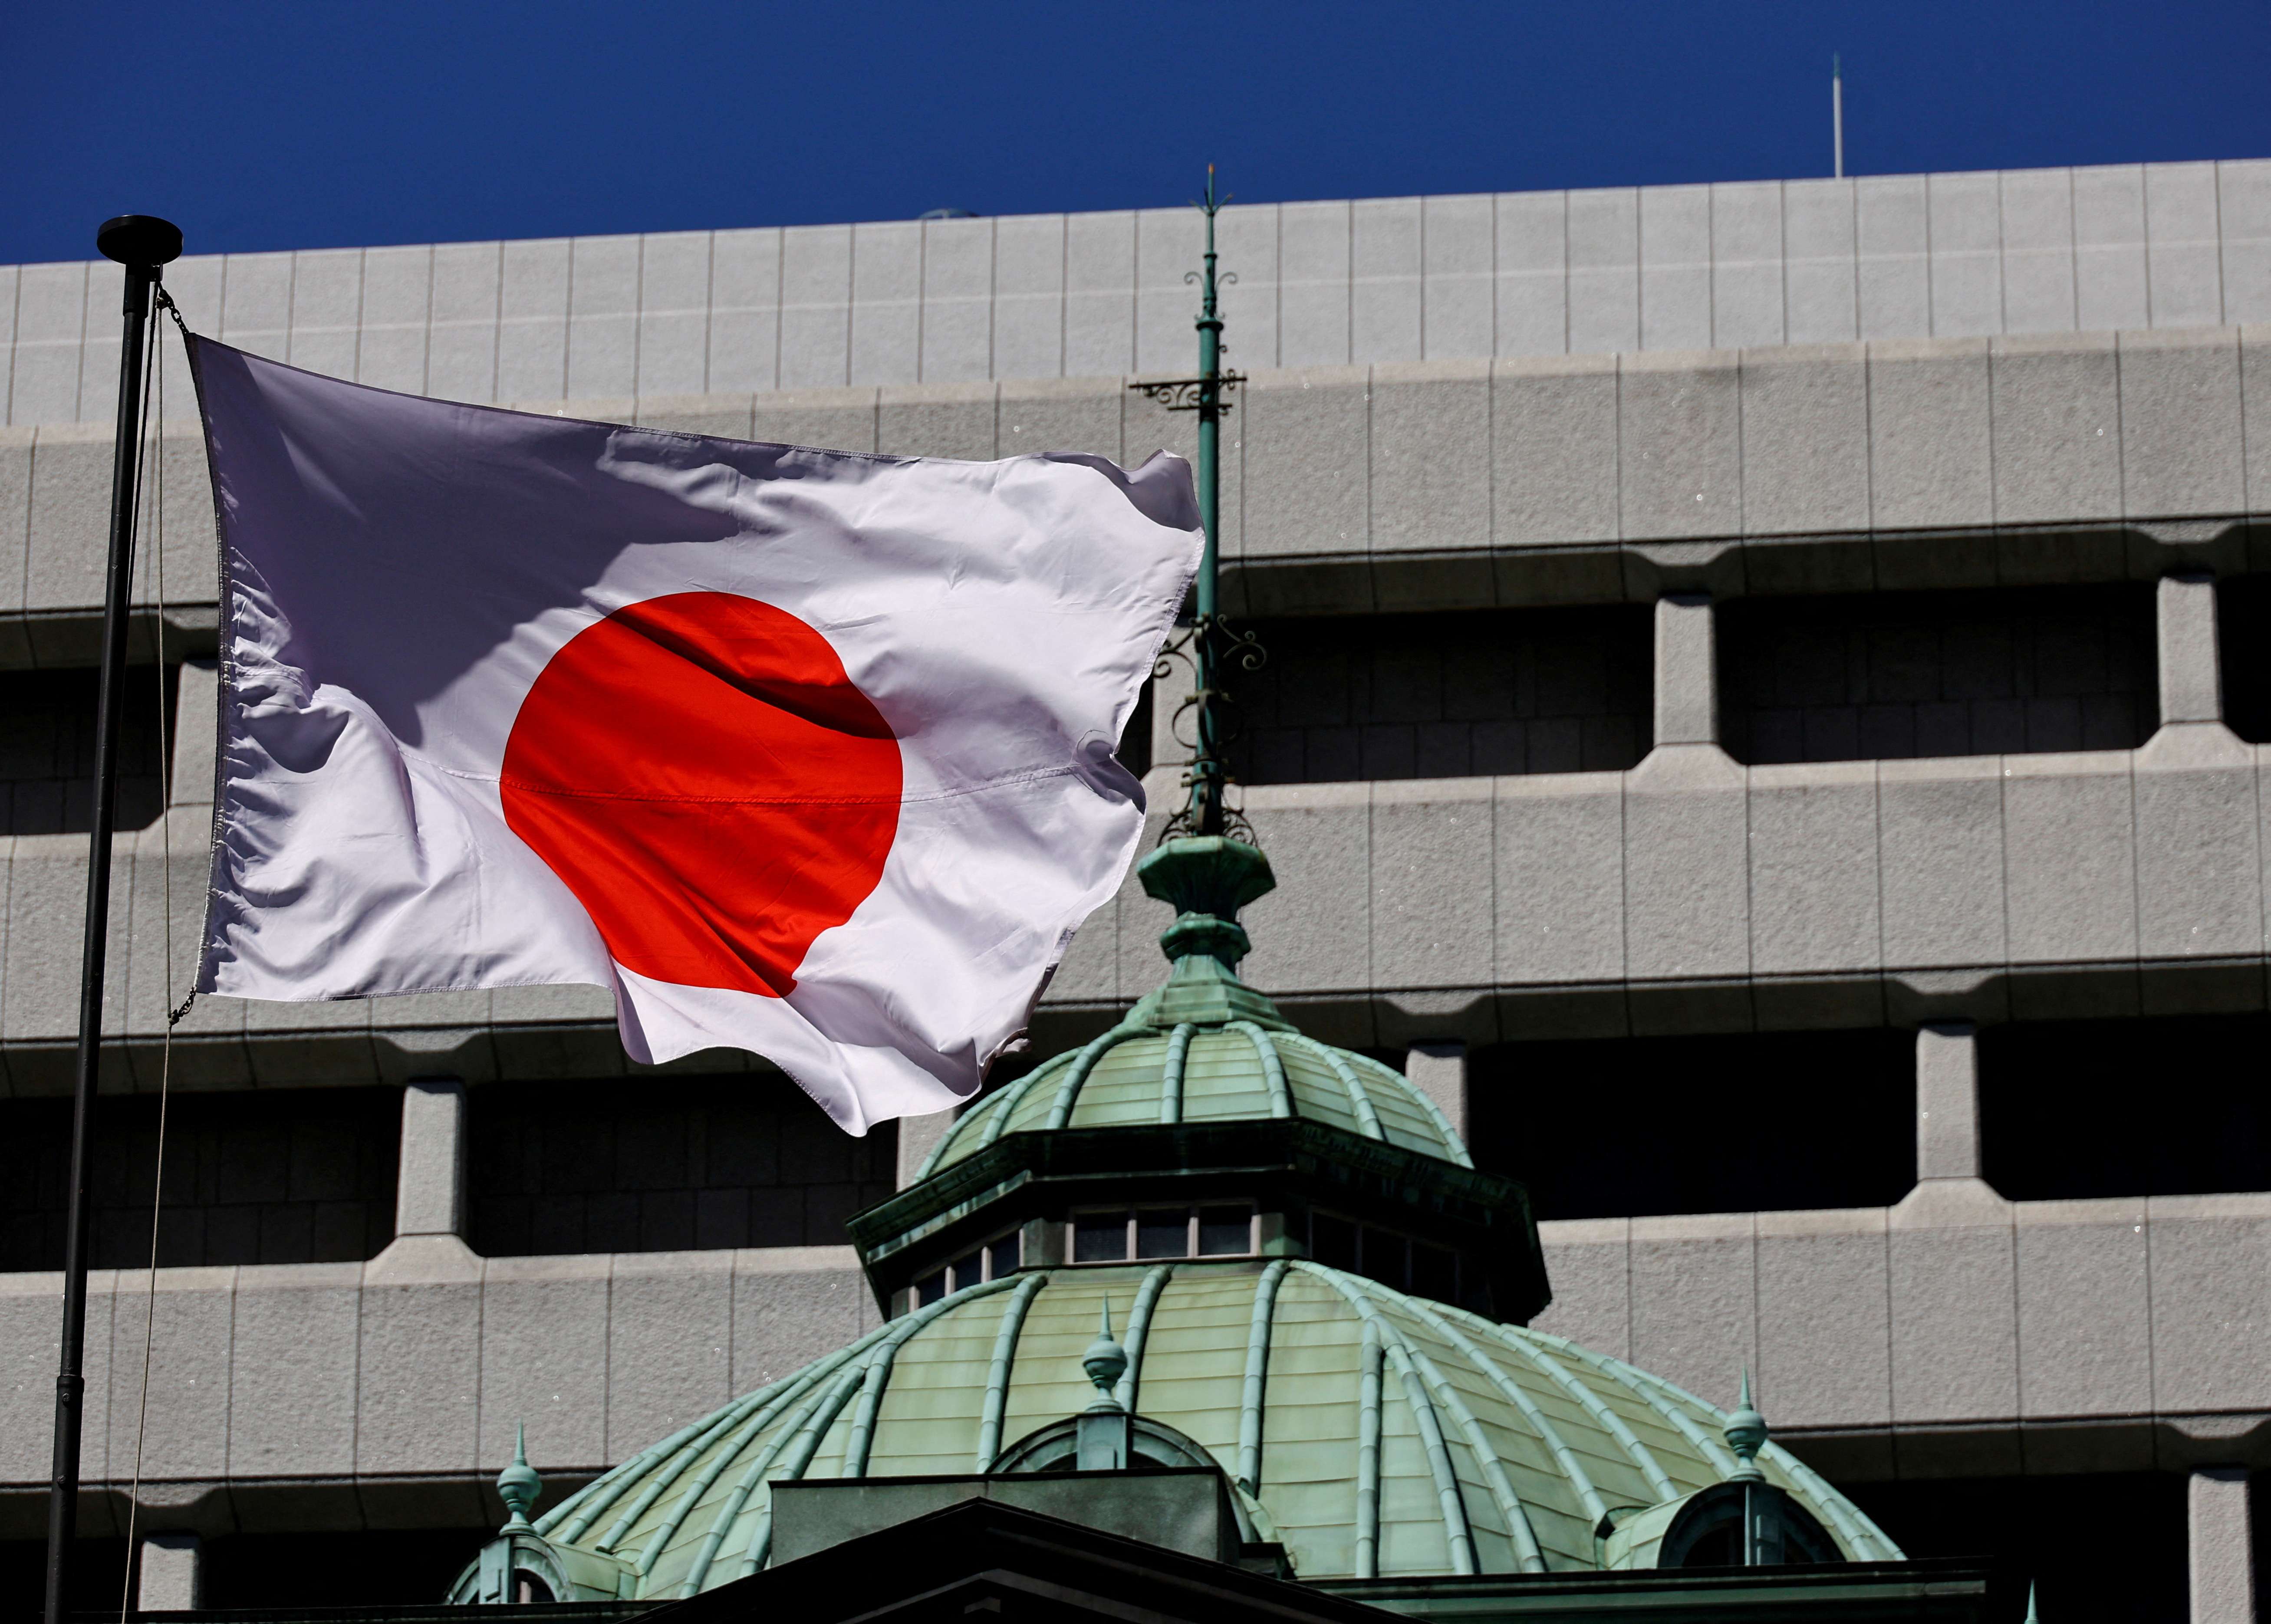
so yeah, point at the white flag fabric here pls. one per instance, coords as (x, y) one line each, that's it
(805, 752)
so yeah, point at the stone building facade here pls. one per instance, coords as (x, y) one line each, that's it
(1766, 723)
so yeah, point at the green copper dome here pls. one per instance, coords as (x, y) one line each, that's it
(1375, 1434)
(1319, 1295)
(1193, 1073)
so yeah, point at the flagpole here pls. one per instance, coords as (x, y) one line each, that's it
(142, 243)
(1208, 771)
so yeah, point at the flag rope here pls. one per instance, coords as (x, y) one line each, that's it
(154, 385)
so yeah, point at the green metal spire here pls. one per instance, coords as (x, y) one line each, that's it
(1746, 1435)
(519, 1486)
(1106, 1360)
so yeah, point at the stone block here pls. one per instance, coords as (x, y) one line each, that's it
(544, 1358)
(1314, 270)
(1099, 296)
(1304, 476)
(2037, 250)
(1246, 236)
(1384, 281)
(2210, 1256)
(1947, 1100)
(1687, 881)
(1553, 462)
(1680, 442)
(1747, 265)
(16, 451)
(171, 1572)
(255, 312)
(31, 1308)
(744, 307)
(392, 330)
(1532, 285)
(188, 1323)
(2069, 836)
(1819, 296)
(1824, 1342)
(674, 314)
(1891, 256)
(2198, 865)
(1675, 268)
(815, 307)
(532, 320)
(1028, 264)
(2183, 278)
(2108, 243)
(1430, 485)
(886, 303)
(2085, 1313)
(326, 311)
(417, 1375)
(1941, 856)
(957, 278)
(1590, 1263)
(51, 307)
(1314, 933)
(937, 419)
(1558, 871)
(1432, 913)
(1929, 434)
(291, 1393)
(1814, 885)
(792, 1305)
(1805, 423)
(2242, 192)
(1168, 245)
(670, 1329)
(2190, 676)
(462, 347)
(2221, 1546)
(70, 516)
(46, 907)
(1603, 243)
(1694, 1301)
(1964, 221)
(1686, 668)
(2182, 450)
(839, 419)
(1954, 1323)
(1460, 259)
(430, 1190)
(720, 416)
(2057, 430)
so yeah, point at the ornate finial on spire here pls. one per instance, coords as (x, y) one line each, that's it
(1746, 1435)
(519, 1486)
(1105, 1361)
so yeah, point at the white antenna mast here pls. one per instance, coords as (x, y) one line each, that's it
(1838, 117)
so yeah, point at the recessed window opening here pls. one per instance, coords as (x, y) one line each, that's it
(46, 747)
(1117, 1235)
(1882, 676)
(2242, 620)
(665, 1163)
(2165, 1105)
(259, 1176)
(995, 1260)
(1404, 1261)
(1631, 1127)
(1459, 694)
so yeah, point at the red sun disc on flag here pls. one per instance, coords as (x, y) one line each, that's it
(710, 785)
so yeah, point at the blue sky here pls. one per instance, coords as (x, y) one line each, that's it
(319, 125)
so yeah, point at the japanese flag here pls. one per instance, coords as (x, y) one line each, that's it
(805, 752)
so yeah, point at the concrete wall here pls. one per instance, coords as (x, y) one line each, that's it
(1404, 459)
(1379, 280)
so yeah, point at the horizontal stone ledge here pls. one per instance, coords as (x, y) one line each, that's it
(255, 1504)
(2045, 1446)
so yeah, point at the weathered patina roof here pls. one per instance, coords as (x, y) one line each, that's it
(1374, 1433)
